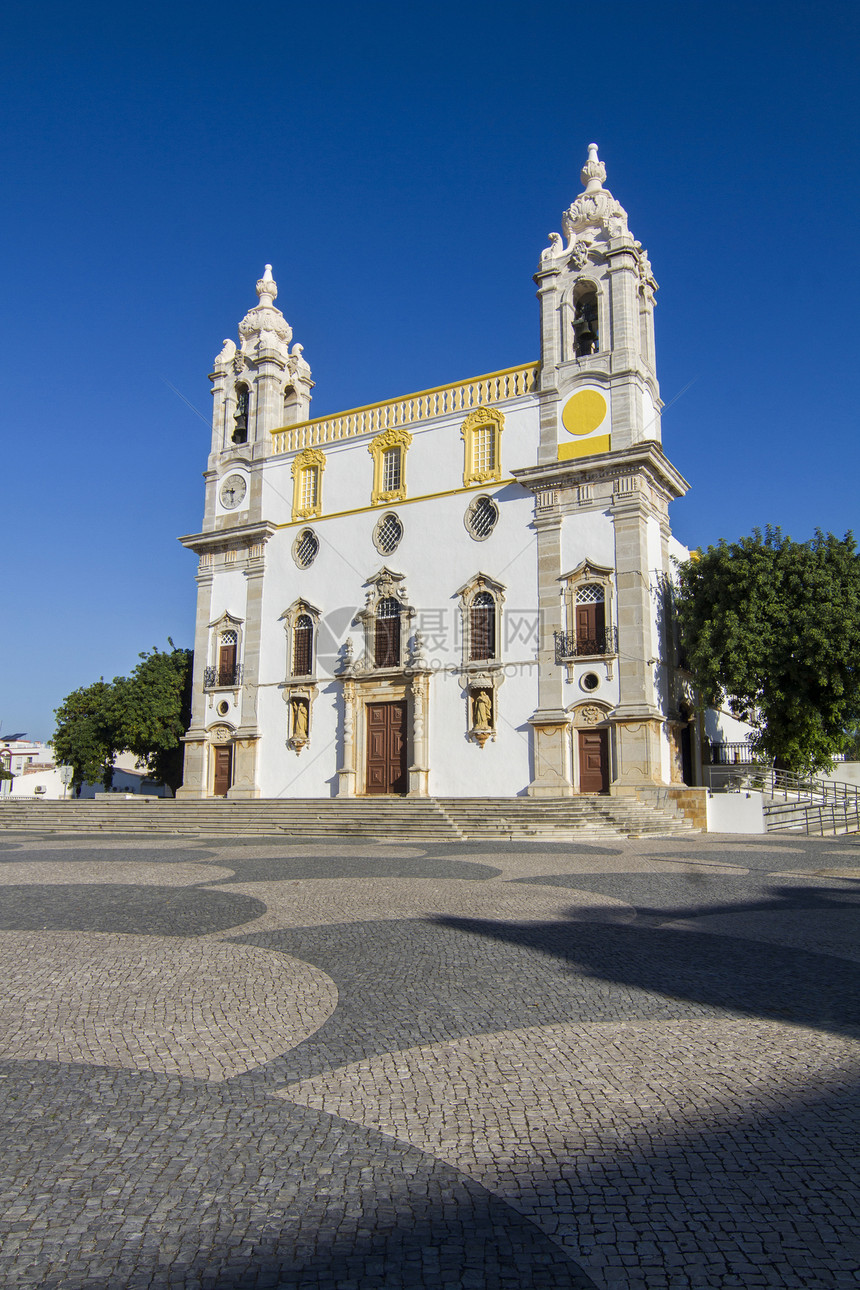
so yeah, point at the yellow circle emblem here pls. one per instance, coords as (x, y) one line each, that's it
(584, 412)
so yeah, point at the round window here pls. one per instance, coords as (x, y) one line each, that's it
(223, 708)
(387, 533)
(481, 517)
(591, 681)
(306, 548)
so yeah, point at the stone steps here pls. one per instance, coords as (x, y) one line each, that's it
(395, 819)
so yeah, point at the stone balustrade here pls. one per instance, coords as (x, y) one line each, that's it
(426, 405)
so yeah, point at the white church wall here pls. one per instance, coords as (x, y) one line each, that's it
(459, 767)
(587, 534)
(437, 556)
(229, 591)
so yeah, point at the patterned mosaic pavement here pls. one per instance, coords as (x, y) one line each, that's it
(342, 1067)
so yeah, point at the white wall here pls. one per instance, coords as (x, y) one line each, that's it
(735, 812)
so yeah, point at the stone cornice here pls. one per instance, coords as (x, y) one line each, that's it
(647, 456)
(244, 535)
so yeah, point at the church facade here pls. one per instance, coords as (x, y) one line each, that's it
(459, 592)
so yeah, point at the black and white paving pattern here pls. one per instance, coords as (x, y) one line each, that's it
(342, 1066)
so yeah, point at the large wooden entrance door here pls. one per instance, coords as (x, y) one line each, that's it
(593, 761)
(223, 770)
(386, 748)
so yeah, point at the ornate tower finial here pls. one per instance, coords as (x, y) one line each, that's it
(267, 288)
(593, 172)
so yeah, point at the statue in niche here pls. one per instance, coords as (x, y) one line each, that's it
(482, 710)
(300, 719)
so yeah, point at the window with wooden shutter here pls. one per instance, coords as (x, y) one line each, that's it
(227, 658)
(303, 646)
(387, 650)
(590, 620)
(483, 627)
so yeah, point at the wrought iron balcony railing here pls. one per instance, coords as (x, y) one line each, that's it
(215, 678)
(568, 645)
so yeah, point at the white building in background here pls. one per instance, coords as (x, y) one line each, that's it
(459, 592)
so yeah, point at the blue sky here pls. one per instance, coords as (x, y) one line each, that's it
(400, 167)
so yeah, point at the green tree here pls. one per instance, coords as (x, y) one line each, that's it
(153, 711)
(773, 626)
(86, 734)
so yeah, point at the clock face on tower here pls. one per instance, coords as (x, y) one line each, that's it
(232, 492)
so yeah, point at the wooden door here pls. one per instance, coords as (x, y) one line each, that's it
(226, 664)
(223, 770)
(590, 629)
(593, 761)
(386, 748)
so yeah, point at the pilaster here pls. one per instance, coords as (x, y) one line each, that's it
(638, 720)
(419, 771)
(550, 723)
(548, 278)
(346, 770)
(194, 763)
(247, 736)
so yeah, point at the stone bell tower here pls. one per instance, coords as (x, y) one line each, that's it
(602, 487)
(257, 387)
(596, 293)
(261, 385)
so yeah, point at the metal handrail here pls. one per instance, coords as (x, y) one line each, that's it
(806, 799)
(222, 678)
(568, 645)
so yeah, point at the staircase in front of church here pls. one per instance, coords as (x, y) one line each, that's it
(389, 819)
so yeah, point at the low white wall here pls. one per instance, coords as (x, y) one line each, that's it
(844, 772)
(735, 812)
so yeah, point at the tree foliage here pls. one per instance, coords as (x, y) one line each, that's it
(84, 738)
(773, 627)
(153, 711)
(145, 713)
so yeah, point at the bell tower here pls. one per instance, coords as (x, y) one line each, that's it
(596, 292)
(262, 384)
(602, 488)
(257, 386)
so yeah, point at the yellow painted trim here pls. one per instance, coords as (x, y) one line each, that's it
(584, 448)
(584, 412)
(485, 416)
(407, 501)
(394, 437)
(308, 459)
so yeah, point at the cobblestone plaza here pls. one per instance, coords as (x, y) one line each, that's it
(350, 1065)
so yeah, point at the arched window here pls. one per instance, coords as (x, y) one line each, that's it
(483, 627)
(389, 464)
(585, 320)
(240, 416)
(481, 601)
(387, 642)
(303, 635)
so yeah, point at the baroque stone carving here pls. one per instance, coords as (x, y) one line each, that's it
(590, 715)
(308, 457)
(228, 353)
(393, 437)
(265, 325)
(594, 214)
